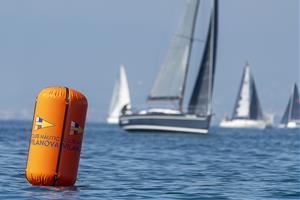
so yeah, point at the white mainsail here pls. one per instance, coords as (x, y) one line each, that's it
(170, 82)
(243, 104)
(120, 98)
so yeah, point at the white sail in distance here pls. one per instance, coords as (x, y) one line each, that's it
(120, 97)
(243, 105)
(247, 111)
(247, 105)
(291, 116)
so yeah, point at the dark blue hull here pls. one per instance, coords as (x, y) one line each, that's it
(165, 122)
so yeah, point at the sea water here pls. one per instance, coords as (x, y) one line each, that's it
(224, 164)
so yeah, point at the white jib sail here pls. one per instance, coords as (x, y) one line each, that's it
(243, 107)
(120, 98)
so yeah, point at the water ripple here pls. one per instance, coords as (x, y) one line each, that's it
(225, 164)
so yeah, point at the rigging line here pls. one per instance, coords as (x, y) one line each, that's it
(189, 54)
(212, 44)
(190, 38)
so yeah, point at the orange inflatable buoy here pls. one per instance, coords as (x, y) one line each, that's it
(56, 137)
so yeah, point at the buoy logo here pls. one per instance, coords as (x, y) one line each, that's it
(75, 128)
(41, 123)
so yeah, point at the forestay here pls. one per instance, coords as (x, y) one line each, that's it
(200, 102)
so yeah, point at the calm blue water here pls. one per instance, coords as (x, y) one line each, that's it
(225, 164)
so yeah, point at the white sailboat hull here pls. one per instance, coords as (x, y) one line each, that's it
(244, 123)
(291, 124)
(165, 122)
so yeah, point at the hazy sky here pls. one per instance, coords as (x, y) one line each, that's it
(80, 44)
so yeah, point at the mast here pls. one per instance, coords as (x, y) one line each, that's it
(189, 56)
(201, 98)
(213, 43)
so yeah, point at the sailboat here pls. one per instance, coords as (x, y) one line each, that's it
(170, 84)
(291, 116)
(247, 111)
(120, 97)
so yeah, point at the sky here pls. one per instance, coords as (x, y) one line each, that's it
(80, 44)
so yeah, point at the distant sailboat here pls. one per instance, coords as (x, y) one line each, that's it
(120, 97)
(170, 84)
(247, 111)
(291, 116)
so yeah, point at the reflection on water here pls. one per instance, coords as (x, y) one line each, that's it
(50, 192)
